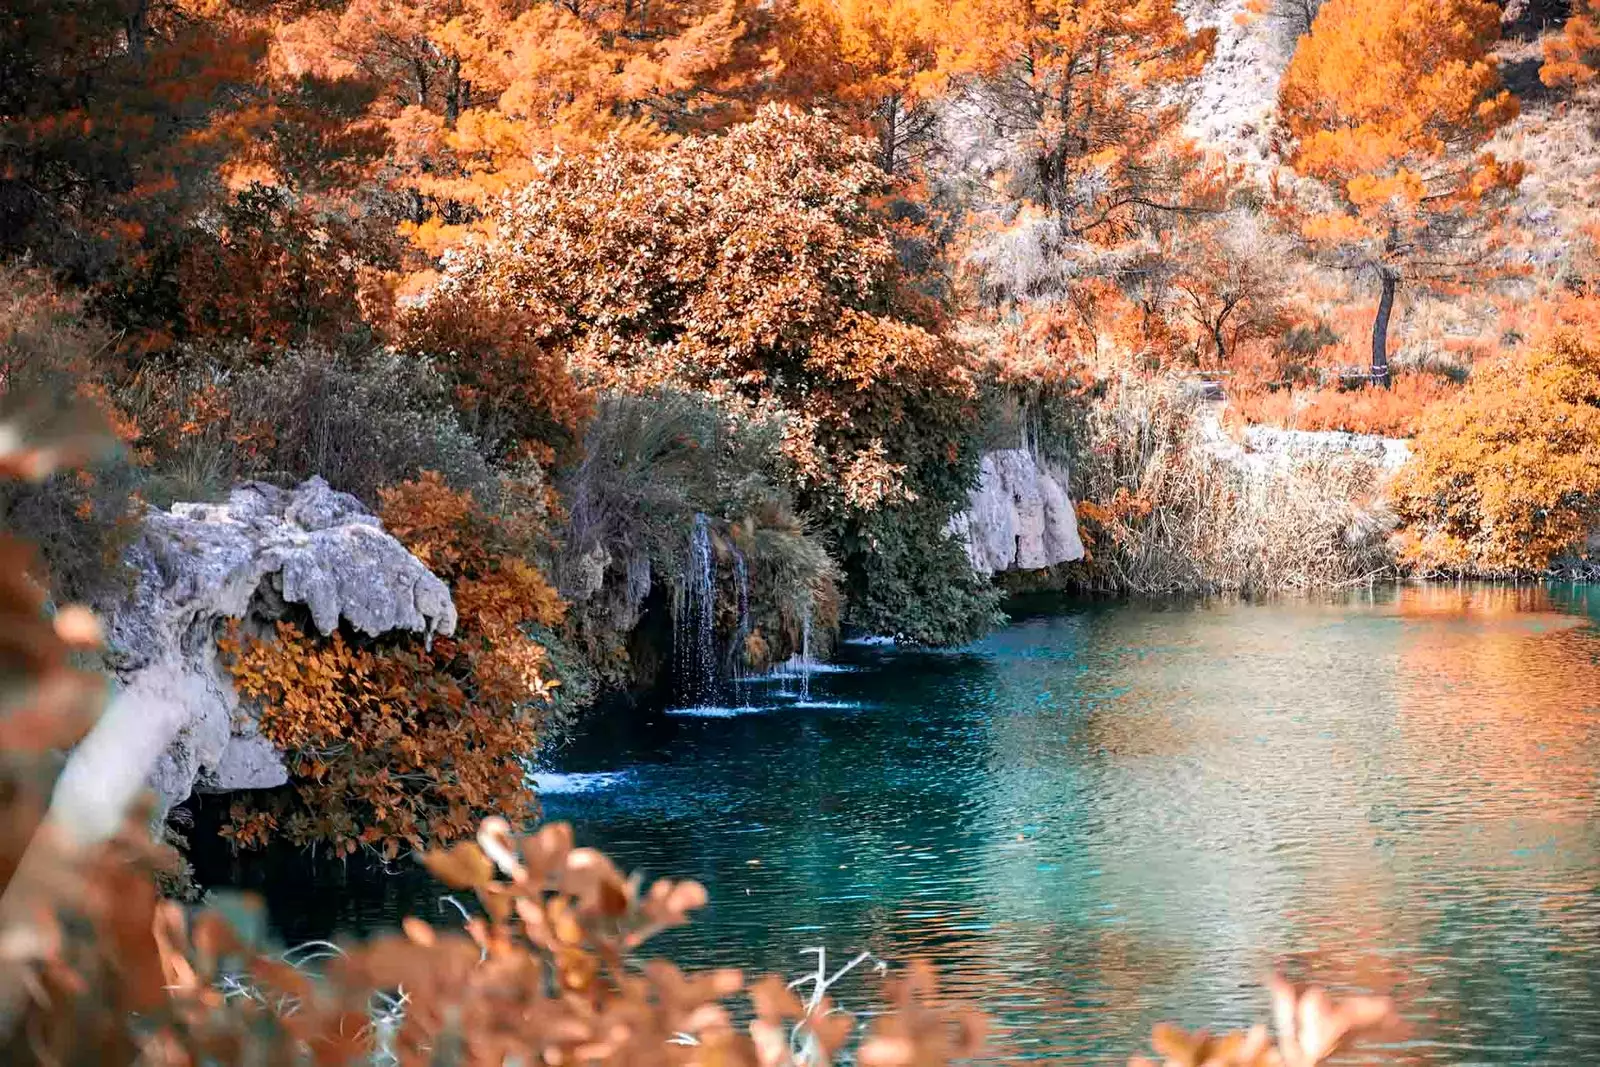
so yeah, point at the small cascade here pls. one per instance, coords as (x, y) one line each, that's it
(694, 637)
(741, 577)
(806, 664)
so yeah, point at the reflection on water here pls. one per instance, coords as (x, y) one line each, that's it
(1107, 816)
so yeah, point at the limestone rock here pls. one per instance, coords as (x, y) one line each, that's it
(176, 718)
(1266, 450)
(1019, 517)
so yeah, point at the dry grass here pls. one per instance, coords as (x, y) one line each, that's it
(1165, 514)
(1393, 412)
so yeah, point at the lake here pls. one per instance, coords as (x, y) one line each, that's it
(1108, 815)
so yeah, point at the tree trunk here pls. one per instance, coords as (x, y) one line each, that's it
(1380, 327)
(1216, 333)
(452, 99)
(137, 28)
(891, 132)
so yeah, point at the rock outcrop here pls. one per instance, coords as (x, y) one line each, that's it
(1020, 517)
(176, 720)
(1389, 453)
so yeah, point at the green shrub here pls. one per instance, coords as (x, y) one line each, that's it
(908, 579)
(362, 420)
(652, 463)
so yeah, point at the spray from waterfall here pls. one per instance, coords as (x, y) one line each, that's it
(806, 664)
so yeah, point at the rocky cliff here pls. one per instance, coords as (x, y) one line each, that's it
(175, 722)
(1020, 517)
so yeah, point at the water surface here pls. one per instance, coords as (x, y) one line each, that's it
(1106, 816)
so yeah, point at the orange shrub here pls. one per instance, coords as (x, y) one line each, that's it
(749, 268)
(1509, 477)
(1572, 57)
(393, 742)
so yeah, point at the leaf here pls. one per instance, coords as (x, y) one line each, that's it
(463, 866)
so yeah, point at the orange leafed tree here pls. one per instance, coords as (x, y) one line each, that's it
(473, 91)
(876, 58)
(1389, 103)
(1080, 86)
(748, 267)
(1572, 57)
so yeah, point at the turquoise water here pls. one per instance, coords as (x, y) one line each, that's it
(1107, 816)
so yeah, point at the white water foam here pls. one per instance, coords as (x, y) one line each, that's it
(555, 782)
(870, 640)
(796, 668)
(713, 711)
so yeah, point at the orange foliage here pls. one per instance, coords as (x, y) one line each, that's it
(878, 58)
(512, 389)
(1572, 57)
(473, 92)
(1083, 84)
(1389, 103)
(746, 267)
(398, 743)
(1227, 285)
(280, 271)
(129, 130)
(1509, 478)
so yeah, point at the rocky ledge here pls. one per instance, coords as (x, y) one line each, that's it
(175, 722)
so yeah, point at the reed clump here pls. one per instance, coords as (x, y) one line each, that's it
(1168, 508)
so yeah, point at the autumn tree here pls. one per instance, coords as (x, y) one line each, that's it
(511, 389)
(473, 91)
(748, 267)
(99, 105)
(876, 58)
(1509, 477)
(1228, 279)
(1084, 90)
(1572, 57)
(1389, 103)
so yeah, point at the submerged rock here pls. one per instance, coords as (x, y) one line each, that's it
(1020, 517)
(176, 721)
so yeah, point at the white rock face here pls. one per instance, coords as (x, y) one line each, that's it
(1267, 449)
(176, 723)
(1020, 517)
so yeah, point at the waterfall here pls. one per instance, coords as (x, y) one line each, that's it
(694, 639)
(741, 576)
(806, 662)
